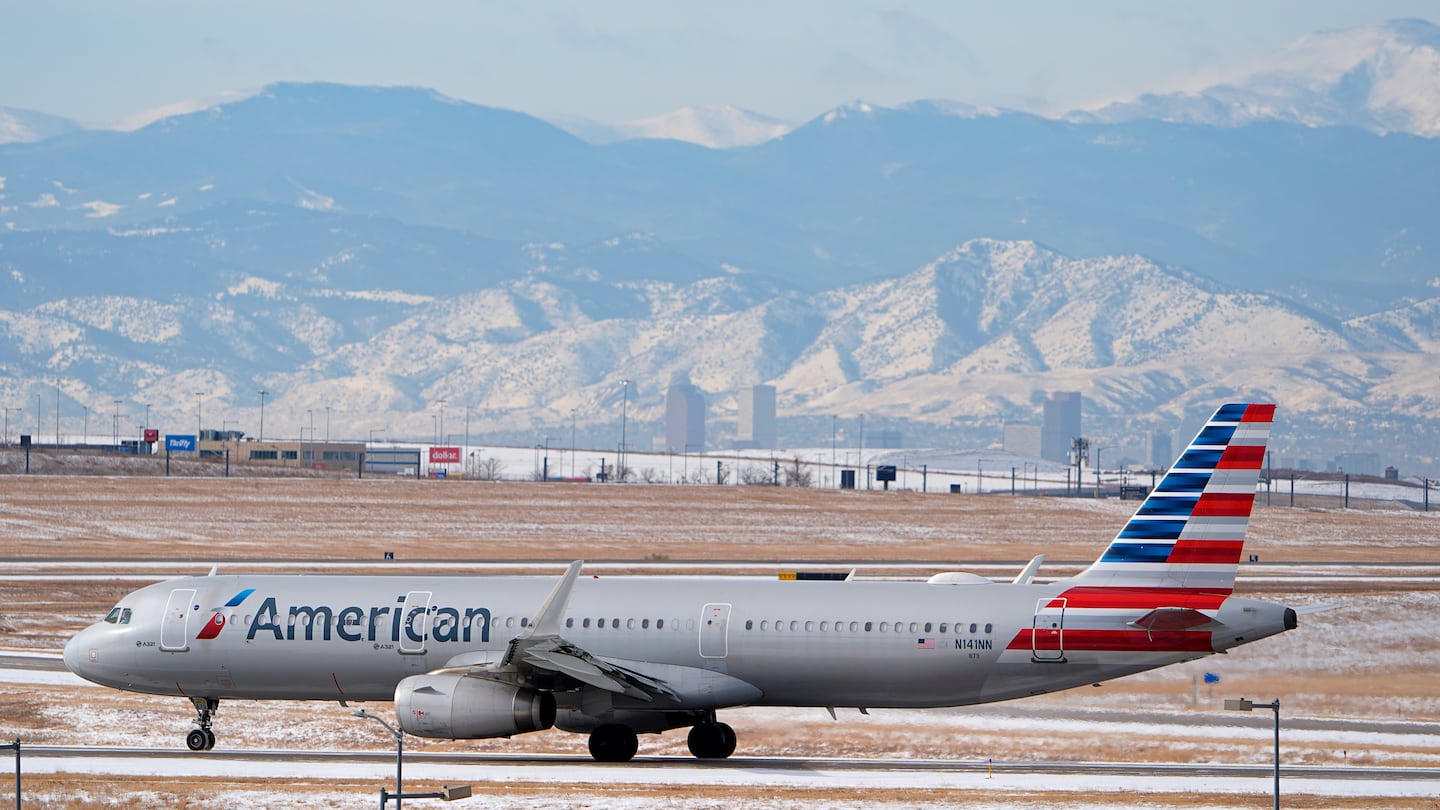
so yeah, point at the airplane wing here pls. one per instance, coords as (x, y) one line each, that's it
(540, 649)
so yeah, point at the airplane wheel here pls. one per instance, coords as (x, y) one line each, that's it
(613, 742)
(197, 740)
(209, 739)
(711, 740)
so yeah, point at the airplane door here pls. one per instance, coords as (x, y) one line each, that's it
(175, 625)
(415, 622)
(715, 631)
(1047, 631)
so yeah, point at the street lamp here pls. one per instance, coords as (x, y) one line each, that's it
(399, 755)
(1243, 705)
(624, 408)
(263, 392)
(8, 411)
(117, 423)
(572, 442)
(440, 431)
(1098, 468)
(199, 395)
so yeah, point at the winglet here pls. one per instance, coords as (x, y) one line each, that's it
(552, 611)
(1028, 572)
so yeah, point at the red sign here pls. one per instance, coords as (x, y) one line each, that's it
(444, 455)
(152, 435)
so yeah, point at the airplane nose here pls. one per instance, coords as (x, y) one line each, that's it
(77, 653)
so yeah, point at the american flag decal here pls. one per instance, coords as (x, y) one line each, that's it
(925, 643)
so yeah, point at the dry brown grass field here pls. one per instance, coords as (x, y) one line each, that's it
(1370, 661)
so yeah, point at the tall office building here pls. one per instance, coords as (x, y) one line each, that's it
(755, 427)
(1061, 426)
(684, 417)
(1162, 451)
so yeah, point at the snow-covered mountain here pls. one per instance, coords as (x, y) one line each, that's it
(1384, 78)
(720, 127)
(960, 344)
(25, 126)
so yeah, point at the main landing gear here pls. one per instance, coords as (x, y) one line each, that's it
(202, 738)
(711, 740)
(616, 742)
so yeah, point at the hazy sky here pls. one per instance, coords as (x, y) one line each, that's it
(101, 61)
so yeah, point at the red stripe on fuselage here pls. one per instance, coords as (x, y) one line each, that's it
(1141, 598)
(1213, 552)
(1119, 641)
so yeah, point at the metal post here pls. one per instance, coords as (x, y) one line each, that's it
(1276, 706)
(15, 745)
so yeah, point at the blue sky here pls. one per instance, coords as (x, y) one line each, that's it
(100, 61)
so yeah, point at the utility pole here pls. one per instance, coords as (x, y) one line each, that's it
(263, 392)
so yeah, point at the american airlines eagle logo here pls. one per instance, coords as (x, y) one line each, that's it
(213, 627)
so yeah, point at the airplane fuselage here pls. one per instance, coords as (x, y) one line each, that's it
(741, 640)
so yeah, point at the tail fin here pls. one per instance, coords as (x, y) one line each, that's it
(1190, 531)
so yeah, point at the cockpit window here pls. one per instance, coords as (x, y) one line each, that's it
(118, 615)
(125, 616)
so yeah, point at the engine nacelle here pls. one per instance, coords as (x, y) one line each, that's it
(456, 707)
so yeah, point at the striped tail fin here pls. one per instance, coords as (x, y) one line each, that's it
(1189, 533)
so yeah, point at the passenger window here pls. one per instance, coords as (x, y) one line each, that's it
(854, 627)
(884, 627)
(629, 624)
(914, 628)
(510, 622)
(644, 624)
(764, 625)
(809, 627)
(570, 622)
(972, 627)
(749, 624)
(794, 626)
(524, 621)
(587, 623)
(928, 626)
(868, 625)
(659, 624)
(614, 624)
(988, 628)
(824, 626)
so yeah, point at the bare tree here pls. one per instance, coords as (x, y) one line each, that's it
(722, 475)
(798, 474)
(753, 474)
(650, 475)
(489, 468)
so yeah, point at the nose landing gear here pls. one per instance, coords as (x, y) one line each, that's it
(202, 738)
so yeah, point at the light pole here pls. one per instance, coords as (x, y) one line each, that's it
(263, 392)
(117, 422)
(467, 428)
(327, 425)
(399, 755)
(311, 413)
(8, 411)
(1098, 468)
(441, 431)
(199, 395)
(572, 442)
(1243, 705)
(624, 408)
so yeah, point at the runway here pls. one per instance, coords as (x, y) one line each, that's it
(496, 772)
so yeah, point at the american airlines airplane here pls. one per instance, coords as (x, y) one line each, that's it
(614, 657)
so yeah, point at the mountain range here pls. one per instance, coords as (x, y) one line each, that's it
(371, 253)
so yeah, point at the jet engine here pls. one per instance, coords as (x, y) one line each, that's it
(458, 707)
